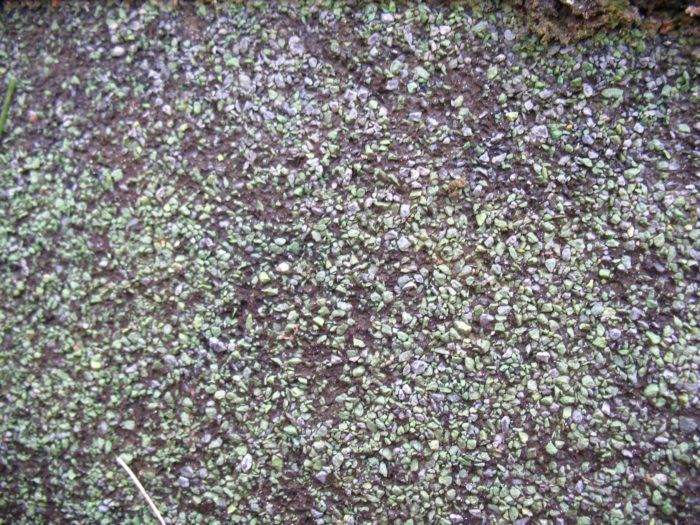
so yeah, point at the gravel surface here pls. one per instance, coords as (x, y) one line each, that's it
(346, 265)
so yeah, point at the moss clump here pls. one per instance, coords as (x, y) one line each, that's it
(571, 20)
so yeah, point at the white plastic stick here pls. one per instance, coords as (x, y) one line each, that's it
(143, 491)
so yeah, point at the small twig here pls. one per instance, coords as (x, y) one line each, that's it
(6, 104)
(291, 336)
(143, 491)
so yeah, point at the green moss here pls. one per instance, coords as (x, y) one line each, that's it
(567, 24)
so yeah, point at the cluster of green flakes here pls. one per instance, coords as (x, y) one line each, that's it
(346, 265)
